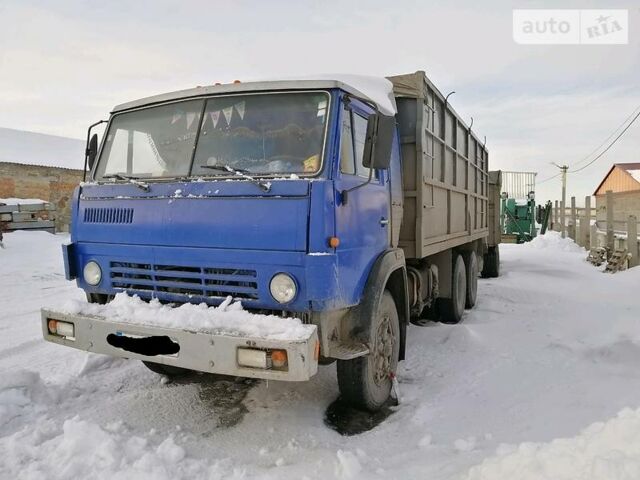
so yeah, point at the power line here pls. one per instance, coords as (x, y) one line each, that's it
(600, 146)
(547, 179)
(609, 146)
(607, 139)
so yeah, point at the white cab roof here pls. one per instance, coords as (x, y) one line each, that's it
(375, 89)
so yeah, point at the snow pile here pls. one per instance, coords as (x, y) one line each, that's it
(377, 89)
(228, 318)
(553, 240)
(603, 451)
(635, 173)
(82, 449)
(21, 394)
(21, 201)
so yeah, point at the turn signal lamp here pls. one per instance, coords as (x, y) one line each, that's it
(334, 242)
(279, 358)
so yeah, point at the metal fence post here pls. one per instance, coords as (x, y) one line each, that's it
(563, 219)
(584, 231)
(556, 216)
(632, 239)
(593, 236)
(609, 198)
(572, 227)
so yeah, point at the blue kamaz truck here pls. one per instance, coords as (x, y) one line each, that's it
(356, 206)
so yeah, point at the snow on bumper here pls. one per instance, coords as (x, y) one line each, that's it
(196, 350)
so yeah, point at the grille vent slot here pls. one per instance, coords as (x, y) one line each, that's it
(184, 282)
(108, 215)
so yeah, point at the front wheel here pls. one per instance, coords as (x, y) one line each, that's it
(365, 382)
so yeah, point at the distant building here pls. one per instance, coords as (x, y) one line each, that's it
(47, 167)
(623, 179)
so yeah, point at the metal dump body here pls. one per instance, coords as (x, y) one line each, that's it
(495, 184)
(445, 171)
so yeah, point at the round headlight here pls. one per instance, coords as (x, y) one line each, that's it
(283, 288)
(92, 273)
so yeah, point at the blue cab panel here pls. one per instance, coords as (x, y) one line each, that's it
(202, 240)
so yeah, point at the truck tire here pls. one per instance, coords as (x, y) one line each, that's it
(491, 267)
(167, 370)
(365, 382)
(452, 309)
(471, 263)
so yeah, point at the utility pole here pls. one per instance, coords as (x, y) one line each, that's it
(563, 225)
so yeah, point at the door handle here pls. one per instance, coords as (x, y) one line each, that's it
(384, 222)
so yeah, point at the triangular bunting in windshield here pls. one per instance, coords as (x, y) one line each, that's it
(190, 118)
(215, 116)
(240, 109)
(227, 114)
(176, 116)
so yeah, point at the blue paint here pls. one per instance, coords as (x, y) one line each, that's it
(194, 241)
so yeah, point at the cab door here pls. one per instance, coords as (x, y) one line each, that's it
(363, 222)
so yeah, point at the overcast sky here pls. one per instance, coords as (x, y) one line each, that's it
(64, 64)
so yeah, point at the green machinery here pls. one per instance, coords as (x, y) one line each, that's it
(518, 218)
(518, 210)
(543, 215)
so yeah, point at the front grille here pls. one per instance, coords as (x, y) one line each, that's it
(108, 215)
(182, 281)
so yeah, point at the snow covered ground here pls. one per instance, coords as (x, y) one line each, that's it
(540, 381)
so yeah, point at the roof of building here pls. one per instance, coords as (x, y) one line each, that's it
(378, 90)
(632, 169)
(31, 148)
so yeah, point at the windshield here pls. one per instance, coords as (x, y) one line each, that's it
(259, 134)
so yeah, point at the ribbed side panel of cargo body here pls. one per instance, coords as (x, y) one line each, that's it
(445, 171)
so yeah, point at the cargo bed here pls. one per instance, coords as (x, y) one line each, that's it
(445, 171)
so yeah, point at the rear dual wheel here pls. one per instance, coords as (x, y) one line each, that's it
(471, 265)
(491, 267)
(452, 309)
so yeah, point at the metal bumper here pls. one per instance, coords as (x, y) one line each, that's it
(201, 351)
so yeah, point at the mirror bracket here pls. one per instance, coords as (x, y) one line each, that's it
(87, 150)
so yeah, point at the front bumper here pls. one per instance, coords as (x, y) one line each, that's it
(204, 352)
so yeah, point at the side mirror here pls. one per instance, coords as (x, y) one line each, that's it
(377, 147)
(92, 150)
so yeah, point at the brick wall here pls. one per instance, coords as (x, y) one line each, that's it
(53, 184)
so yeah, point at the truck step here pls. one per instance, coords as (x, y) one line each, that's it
(348, 352)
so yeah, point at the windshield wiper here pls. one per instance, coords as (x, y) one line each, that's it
(264, 186)
(131, 179)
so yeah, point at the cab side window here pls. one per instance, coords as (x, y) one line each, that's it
(353, 137)
(359, 138)
(346, 144)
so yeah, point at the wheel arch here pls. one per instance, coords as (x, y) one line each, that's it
(389, 272)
